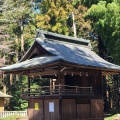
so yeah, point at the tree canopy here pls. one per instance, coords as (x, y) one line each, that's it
(106, 22)
(55, 16)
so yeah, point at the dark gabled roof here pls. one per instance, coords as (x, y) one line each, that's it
(31, 63)
(62, 51)
(54, 37)
(50, 36)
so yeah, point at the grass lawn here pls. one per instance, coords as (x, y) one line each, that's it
(14, 118)
(113, 117)
(9, 118)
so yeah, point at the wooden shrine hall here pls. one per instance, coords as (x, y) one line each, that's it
(75, 73)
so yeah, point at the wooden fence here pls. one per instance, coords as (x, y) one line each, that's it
(13, 113)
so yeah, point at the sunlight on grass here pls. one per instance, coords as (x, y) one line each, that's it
(113, 117)
(11, 118)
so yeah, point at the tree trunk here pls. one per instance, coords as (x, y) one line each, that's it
(22, 38)
(17, 55)
(3, 76)
(11, 79)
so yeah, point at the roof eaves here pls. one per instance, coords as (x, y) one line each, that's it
(3, 95)
(91, 67)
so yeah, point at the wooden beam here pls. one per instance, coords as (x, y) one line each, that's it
(52, 72)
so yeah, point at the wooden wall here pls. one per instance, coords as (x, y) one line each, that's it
(35, 110)
(1, 104)
(83, 111)
(39, 110)
(68, 109)
(51, 115)
(71, 109)
(97, 85)
(74, 110)
(97, 109)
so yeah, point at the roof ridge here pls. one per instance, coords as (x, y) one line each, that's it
(59, 37)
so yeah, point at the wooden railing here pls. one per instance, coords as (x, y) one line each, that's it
(5, 114)
(58, 90)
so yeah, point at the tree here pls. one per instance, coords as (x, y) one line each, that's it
(55, 14)
(89, 3)
(16, 21)
(20, 28)
(105, 21)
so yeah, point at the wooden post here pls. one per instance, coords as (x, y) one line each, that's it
(60, 109)
(76, 89)
(51, 91)
(1, 104)
(59, 77)
(60, 100)
(28, 86)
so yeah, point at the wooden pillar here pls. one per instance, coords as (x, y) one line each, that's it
(1, 104)
(60, 100)
(28, 85)
(60, 109)
(59, 79)
(29, 82)
(51, 86)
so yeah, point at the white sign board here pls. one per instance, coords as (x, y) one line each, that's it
(51, 106)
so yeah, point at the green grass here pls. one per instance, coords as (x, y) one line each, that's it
(11, 118)
(112, 114)
(111, 117)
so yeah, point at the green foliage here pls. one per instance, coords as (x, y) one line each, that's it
(106, 22)
(89, 3)
(116, 1)
(20, 24)
(16, 102)
(82, 26)
(96, 12)
(55, 16)
(37, 82)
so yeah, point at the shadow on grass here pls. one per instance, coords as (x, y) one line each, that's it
(112, 114)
